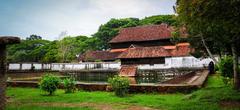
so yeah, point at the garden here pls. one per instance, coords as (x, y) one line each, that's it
(211, 27)
(214, 96)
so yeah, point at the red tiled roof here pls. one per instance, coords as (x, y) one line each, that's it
(143, 33)
(118, 50)
(170, 47)
(128, 70)
(182, 49)
(99, 55)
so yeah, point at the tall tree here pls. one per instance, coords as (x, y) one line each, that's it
(109, 30)
(34, 37)
(215, 20)
(158, 19)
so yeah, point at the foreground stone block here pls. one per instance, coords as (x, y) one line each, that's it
(4, 41)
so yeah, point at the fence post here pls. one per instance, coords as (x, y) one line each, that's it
(5, 40)
(20, 66)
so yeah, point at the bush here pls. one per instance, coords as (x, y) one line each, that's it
(227, 81)
(49, 83)
(120, 85)
(225, 66)
(69, 85)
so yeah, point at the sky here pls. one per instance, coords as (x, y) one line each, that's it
(50, 18)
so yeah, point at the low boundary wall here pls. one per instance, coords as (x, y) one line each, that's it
(134, 88)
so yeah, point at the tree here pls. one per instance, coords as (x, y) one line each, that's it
(109, 30)
(34, 37)
(215, 20)
(27, 51)
(158, 19)
(70, 47)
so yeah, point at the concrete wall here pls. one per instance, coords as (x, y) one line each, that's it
(179, 62)
(64, 66)
(170, 62)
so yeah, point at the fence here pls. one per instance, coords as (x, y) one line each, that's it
(179, 62)
(29, 66)
(170, 62)
(64, 66)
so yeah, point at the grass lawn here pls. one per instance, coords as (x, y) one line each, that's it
(213, 96)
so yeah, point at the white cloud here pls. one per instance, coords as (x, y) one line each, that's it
(77, 17)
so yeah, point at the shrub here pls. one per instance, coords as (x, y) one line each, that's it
(225, 66)
(227, 81)
(120, 85)
(69, 85)
(49, 83)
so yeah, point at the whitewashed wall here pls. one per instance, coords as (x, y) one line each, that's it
(179, 62)
(170, 62)
(86, 65)
(14, 66)
(28, 66)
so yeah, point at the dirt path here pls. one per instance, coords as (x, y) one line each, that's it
(97, 106)
(230, 104)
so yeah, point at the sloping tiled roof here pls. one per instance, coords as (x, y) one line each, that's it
(128, 70)
(99, 55)
(143, 33)
(118, 50)
(182, 49)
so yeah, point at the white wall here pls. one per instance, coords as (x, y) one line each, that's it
(178, 62)
(86, 65)
(170, 62)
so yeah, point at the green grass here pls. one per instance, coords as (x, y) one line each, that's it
(30, 107)
(207, 98)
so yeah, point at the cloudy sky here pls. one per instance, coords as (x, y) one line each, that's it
(48, 18)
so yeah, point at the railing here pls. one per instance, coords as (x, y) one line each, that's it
(64, 66)
(179, 62)
(28, 66)
(170, 62)
(86, 66)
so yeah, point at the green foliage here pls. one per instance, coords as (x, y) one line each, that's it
(69, 47)
(35, 49)
(206, 98)
(34, 37)
(98, 60)
(120, 85)
(218, 26)
(227, 81)
(158, 19)
(109, 30)
(226, 66)
(176, 37)
(69, 85)
(49, 83)
(27, 51)
(51, 54)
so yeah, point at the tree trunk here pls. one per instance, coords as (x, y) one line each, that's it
(2, 76)
(206, 47)
(235, 67)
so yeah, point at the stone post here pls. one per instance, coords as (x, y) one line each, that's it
(5, 40)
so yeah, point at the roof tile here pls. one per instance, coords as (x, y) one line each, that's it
(143, 33)
(156, 51)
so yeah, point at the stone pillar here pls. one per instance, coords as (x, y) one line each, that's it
(3, 42)
(2, 76)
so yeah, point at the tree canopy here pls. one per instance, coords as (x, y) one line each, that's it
(35, 49)
(109, 30)
(216, 23)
